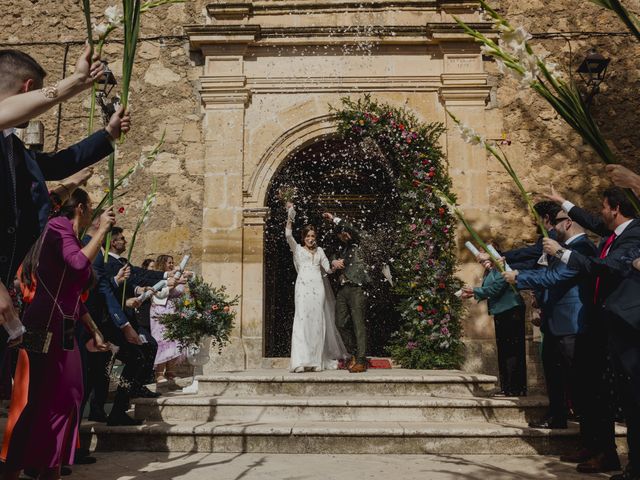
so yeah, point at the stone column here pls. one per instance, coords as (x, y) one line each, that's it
(253, 285)
(225, 98)
(464, 93)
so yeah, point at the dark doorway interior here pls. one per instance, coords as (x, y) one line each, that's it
(333, 176)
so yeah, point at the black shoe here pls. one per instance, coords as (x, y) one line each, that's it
(144, 392)
(122, 420)
(549, 423)
(628, 474)
(85, 460)
(65, 471)
(97, 416)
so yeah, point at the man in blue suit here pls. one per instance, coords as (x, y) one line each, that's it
(566, 300)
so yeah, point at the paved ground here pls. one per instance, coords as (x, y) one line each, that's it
(199, 466)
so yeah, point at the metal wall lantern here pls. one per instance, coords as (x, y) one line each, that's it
(593, 71)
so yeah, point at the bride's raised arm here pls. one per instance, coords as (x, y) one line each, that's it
(288, 230)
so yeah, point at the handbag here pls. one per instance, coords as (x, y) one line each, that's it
(39, 340)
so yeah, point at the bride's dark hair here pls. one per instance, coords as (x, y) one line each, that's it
(306, 229)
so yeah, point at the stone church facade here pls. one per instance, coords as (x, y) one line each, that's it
(271, 73)
(242, 87)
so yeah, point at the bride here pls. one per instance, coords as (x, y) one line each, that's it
(315, 342)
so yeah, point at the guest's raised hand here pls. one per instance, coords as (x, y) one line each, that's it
(483, 257)
(123, 274)
(80, 178)
(550, 246)
(107, 220)
(622, 176)
(467, 292)
(120, 122)
(510, 277)
(327, 216)
(88, 70)
(133, 302)
(171, 281)
(554, 196)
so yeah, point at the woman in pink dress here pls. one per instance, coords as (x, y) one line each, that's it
(45, 435)
(169, 353)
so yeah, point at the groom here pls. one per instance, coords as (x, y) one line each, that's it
(351, 302)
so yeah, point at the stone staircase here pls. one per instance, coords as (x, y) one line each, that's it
(380, 411)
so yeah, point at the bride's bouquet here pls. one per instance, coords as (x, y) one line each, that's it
(286, 194)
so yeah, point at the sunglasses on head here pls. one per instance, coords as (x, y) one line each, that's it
(556, 221)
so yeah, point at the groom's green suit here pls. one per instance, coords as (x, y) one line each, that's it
(351, 302)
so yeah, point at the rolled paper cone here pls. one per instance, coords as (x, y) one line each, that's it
(114, 349)
(495, 253)
(14, 328)
(156, 288)
(472, 248)
(182, 266)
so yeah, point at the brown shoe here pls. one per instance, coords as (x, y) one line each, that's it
(602, 462)
(580, 456)
(358, 368)
(352, 362)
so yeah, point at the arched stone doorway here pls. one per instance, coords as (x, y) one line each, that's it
(329, 175)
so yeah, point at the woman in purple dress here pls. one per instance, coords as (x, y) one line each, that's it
(45, 435)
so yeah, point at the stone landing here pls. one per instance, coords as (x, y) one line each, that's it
(380, 412)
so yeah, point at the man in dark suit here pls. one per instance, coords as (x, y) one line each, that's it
(23, 191)
(566, 302)
(123, 329)
(620, 231)
(351, 300)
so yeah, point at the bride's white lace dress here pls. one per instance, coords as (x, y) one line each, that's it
(315, 341)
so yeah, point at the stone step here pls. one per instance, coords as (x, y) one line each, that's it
(397, 382)
(340, 408)
(336, 437)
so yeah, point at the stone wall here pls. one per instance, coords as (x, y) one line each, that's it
(163, 98)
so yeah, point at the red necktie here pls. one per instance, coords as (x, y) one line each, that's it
(603, 254)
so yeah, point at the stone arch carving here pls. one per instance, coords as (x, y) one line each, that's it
(287, 144)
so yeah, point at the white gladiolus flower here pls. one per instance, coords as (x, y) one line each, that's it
(469, 135)
(114, 15)
(516, 37)
(100, 29)
(487, 50)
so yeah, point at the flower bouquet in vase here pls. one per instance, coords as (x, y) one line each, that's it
(203, 317)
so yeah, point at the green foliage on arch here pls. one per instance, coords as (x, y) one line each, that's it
(422, 245)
